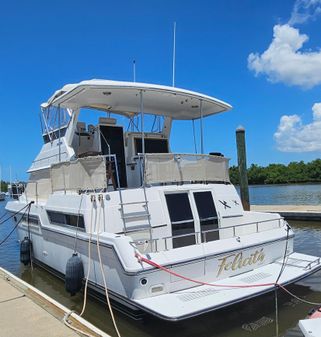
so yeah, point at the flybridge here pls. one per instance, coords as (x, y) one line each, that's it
(73, 137)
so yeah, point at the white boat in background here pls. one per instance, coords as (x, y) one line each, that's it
(2, 194)
(170, 228)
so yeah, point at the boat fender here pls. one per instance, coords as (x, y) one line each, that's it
(74, 274)
(315, 313)
(25, 250)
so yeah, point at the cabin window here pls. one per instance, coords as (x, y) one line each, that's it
(59, 218)
(182, 219)
(207, 215)
(151, 145)
(33, 219)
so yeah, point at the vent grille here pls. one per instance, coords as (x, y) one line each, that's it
(193, 295)
(255, 277)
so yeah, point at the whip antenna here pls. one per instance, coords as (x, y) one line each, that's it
(134, 70)
(174, 54)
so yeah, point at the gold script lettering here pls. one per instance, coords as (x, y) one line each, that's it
(237, 261)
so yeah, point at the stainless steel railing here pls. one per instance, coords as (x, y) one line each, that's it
(153, 244)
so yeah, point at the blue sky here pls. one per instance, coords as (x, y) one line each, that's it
(45, 45)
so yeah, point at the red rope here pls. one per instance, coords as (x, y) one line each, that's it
(156, 265)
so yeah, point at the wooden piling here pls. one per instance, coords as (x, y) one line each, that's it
(241, 158)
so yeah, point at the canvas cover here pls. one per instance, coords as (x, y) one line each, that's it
(39, 185)
(82, 174)
(168, 168)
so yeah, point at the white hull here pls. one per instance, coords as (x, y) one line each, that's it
(254, 256)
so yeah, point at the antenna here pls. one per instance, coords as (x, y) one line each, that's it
(134, 70)
(174, 54)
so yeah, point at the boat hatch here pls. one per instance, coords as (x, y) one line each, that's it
(112, 141)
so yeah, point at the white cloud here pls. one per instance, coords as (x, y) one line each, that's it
(293, 136)
(305, 10)
(284, 62)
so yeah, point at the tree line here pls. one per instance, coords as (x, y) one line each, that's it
(4, 186)
(294, 172)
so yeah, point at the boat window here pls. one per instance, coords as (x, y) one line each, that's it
(182, 219)
(207, 215)
(54, 135)
(59, 218)
(53, 119)
(33, 219)
(151, 145)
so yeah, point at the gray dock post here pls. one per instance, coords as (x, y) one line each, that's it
(241, 159)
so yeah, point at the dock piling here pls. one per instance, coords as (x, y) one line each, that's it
(241, 158)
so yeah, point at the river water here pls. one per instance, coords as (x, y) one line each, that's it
(255, 317)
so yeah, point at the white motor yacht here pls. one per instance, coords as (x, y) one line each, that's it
(168, 229)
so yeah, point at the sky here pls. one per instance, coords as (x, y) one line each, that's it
(262, 57)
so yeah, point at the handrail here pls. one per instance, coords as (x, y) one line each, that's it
(204, 233)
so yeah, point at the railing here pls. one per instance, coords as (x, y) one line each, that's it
(180, 168)
(154, 244)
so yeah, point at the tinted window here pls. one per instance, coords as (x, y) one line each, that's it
(207, 214)
(66, 219)
(152, 145)
(33, 219)
(182, 219)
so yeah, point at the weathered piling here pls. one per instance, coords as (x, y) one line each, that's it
(241, 159)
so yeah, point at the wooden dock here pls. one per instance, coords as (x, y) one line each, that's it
(292, 212)
(26, 311)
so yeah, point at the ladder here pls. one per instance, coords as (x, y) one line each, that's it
(130, 216)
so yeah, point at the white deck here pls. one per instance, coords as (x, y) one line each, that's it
(200, 299)
(311, 327)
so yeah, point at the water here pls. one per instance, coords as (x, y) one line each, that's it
(299, 194)
(251, 318)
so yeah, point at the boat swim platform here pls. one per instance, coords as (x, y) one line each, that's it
(26, 311)
(197, 300)
(292, 212)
